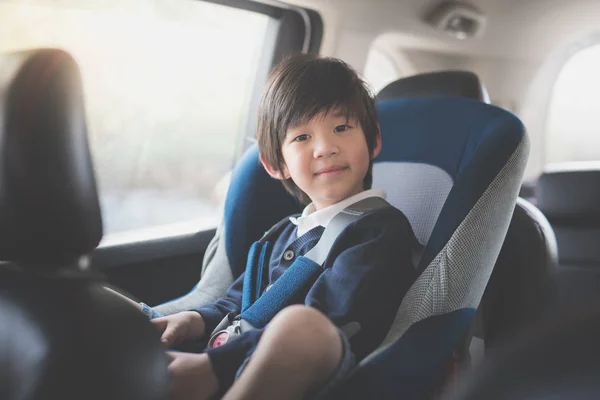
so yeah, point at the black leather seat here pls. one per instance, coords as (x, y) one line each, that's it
(554, 359)
(570, 198)
(62, 335)
(522, 286)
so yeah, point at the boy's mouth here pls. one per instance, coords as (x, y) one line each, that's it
(331, 170)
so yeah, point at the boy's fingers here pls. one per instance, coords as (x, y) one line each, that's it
(168, 336)
(159, 323)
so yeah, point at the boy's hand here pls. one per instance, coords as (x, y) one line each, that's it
(191, 376)
(179, 327)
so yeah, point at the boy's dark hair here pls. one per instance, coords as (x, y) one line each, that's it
(299, 89)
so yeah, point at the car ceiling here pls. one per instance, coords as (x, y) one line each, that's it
(515, 28)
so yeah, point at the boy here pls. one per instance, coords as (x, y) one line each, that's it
(318, 134)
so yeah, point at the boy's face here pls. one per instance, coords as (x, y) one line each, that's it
(327, 158)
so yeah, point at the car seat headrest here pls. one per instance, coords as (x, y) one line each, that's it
(49, 208)
(442, 83)
(570, 194)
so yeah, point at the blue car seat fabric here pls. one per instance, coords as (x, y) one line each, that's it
(454, 167)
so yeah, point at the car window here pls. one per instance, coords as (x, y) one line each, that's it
(574, 116)
(167, 90)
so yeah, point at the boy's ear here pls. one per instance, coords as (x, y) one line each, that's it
(378, 144)
(273, 172)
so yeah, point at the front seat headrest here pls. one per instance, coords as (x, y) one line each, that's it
(443, 83)
(570, 194)
(49, 208)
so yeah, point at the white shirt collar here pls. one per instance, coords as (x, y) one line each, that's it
(311, 218)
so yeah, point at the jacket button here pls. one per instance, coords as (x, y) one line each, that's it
(288, 255)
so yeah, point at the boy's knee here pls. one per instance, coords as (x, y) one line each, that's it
(303, 319)
(308, 332)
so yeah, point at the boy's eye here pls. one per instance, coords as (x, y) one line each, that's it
(341, 128)
(300, 138)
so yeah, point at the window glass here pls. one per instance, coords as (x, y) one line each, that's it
(574, 114)
(379, 69)
(167, 89)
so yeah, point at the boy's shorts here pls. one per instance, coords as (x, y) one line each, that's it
(340, 375)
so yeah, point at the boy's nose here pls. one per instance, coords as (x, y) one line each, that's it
(325, 147)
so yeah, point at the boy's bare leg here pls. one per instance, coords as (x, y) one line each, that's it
(298, 352)
(192, 376)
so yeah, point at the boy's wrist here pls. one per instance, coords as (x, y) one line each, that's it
(196, 325)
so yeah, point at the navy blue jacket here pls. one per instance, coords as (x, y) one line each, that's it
(365, 277)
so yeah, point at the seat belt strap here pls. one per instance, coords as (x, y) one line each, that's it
(255, 264)
(341, 221)
(258, 310)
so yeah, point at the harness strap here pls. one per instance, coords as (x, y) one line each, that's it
(258, 310)
(341, 221)
(257, 256)
(292, 283)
